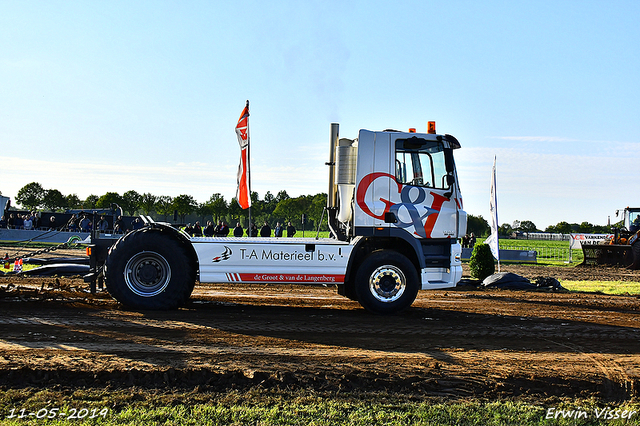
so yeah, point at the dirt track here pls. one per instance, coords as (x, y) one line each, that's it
(460, 343)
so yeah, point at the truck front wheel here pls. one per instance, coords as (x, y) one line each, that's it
(148, 269)
(386, 282)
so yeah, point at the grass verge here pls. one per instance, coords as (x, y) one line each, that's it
(259, 407)
(604, 287)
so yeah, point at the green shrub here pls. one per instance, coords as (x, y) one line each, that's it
(481, 262)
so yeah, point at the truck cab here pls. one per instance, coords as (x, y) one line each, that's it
(400, 189)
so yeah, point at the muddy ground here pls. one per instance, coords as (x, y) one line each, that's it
(461, 343)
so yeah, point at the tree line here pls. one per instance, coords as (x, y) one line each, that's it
(271, 208)
(479, 226)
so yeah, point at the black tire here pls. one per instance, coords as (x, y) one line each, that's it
(150, 269)
(386, 282)
(635, 248)
(347, 291)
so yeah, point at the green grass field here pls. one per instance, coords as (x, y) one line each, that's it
(556, 253)
(549, 252)
(604, 287)
(258, 407)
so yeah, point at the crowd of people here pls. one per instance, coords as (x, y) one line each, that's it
(21, 221)
(468, 241)
(77, 223)
(83, 222)
(222, 230)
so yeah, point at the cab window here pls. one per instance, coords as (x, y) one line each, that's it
(421, 162)
(634, 221)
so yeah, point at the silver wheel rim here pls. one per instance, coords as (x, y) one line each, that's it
(387, 283)
(147, 274)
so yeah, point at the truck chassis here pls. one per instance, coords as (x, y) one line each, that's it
(395, 214)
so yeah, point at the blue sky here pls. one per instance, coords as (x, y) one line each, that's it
(113, 96)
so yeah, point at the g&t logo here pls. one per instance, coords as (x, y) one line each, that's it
(412, 202)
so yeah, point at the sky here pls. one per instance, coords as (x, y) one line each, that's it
(145, 95)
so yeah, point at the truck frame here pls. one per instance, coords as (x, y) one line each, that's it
(395, 214)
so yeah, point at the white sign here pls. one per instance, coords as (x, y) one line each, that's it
(578, 240)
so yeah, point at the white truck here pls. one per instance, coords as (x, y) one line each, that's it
(394, 210)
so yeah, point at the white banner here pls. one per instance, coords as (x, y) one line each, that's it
(577, 240)
(492, 241)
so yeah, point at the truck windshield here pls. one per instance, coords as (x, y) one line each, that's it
(421, 162)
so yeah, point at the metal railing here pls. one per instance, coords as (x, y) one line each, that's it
(554, 254)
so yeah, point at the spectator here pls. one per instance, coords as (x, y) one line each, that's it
(265, 231)
(118, 226)
(291, 230)
(472, 240)
(11, 222)
(103, 225)
(72, 224)
(136, 224)
(216, 230)
(277, 232)
(27, 222)
(224, 230)
(209, 230)
(238, 231)
(52, 223)
(84, 224)
(253, 231)
(197, 230)
(35, 220)
(3, 222)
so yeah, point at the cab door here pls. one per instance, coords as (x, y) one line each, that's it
(427, 195)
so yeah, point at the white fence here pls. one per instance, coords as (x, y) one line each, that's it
(552, 253)
(545, 236)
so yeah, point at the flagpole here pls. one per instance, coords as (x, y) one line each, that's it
(495, 217)
(244, 170)
(249, 169)
(494, 240)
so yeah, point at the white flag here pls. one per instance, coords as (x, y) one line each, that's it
(493, 208)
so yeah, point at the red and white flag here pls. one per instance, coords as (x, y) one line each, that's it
(244, 178)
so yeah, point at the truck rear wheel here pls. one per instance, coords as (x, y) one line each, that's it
(386, 282)
(149, 269)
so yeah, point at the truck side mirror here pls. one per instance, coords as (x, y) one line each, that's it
(448, 160)
(450, 179)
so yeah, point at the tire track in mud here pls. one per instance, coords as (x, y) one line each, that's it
(618, 384)
(424, 327)
(485, 346)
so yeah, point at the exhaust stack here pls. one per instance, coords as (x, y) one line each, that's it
(332, 194)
